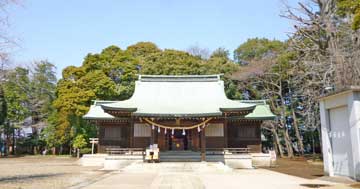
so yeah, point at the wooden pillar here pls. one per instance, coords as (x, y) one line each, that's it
(131, 137)
(203, 144)
(195, 140)
(98, 136)
(166, 141)
(225, 132)
(161, 140)
(152, 140)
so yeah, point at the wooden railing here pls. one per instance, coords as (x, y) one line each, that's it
(124, 151)
(214, 151)
(113, 150)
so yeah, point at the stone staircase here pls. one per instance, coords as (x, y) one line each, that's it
(180, 156)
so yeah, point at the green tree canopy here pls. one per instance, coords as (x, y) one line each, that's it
(258, 48)
(17, 88)
(352, 8)
(142, 49)
(220, 53)
(79, 141)
(172, 62)
(3, 107)
(43, 84)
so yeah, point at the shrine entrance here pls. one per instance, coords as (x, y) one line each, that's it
(178, 141)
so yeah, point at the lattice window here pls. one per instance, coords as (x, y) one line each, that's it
(215, 130)
(247, 132)
(142, 130)
(113, 132)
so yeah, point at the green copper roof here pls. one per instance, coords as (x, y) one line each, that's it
(178, 96)
(96, 112)
(261, 112)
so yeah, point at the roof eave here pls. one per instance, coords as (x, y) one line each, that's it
(261, 118)
(97, 118)
(215, 114)
(118, 109)
(238, 109)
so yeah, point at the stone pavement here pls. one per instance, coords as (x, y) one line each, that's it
(201, 175)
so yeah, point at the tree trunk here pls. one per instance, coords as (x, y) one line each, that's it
(34, 150)
(297, 134)
(13, 142)
(290, 152)
(77, 152)
(320, 138)
(277, 144)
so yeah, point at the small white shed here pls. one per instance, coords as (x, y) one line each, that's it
(340, 130)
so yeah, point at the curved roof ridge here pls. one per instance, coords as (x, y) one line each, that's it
(179, 78)
(257, 102)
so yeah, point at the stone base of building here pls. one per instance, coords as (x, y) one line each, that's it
(238, 161)
(261, 160)
(120, 161)
(235, 161)
(93, 160)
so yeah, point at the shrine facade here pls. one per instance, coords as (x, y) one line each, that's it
(187, 112)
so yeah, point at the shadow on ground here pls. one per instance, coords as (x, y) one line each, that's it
(28, 177)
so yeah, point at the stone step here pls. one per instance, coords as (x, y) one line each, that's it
(188, 156)
(162, 154)
(173, 157)
(180, 156)
(180, 160)
(180, 153)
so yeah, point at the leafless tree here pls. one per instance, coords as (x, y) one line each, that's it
(328, 54)
(329, 47)
(7, 42)
(273, 86)
(196, 50)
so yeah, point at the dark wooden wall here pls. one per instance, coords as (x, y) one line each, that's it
(123, 141)
(194, 140)
(141, 142)
(244, 134)
(215, 142)
(240, 133)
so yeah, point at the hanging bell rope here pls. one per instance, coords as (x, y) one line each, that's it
(203, 123)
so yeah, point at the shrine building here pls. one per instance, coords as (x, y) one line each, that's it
(180, 113)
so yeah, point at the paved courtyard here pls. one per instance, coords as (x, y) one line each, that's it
(203, 175)
(61, 172)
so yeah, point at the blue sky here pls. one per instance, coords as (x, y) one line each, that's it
(65, 31)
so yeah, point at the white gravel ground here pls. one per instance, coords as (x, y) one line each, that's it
(40, 172)
(44, 172)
